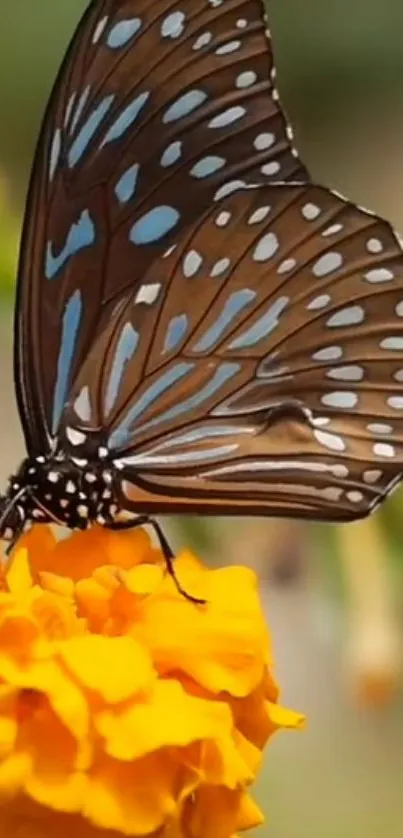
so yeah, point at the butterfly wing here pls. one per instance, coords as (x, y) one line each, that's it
(259, 367)
(154, 109)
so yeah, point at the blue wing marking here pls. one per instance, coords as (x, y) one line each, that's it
(176, 331)
(127, 345)
(154, 225)
(185, 105)
(88, 130)
(172, 154)
(123, 32)
(125, 119)
(70, 327)
(233, 306)
(122, 434)
(201, 434)
(222, 374)
(263, 327)
(80, 236)
(207, 166)
(186, 457)
(126, 185)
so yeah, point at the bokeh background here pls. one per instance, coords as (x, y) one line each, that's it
(334, 596)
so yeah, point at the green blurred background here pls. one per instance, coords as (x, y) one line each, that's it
(334, 597)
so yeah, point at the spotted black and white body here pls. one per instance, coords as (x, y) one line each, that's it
(199, 328)
(62, 491)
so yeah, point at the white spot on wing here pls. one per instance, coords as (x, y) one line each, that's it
(74, 436)
(148, 293)
(329, 353)
(259, 215)
(350, 372)
(372, 475)
(379, 275)
(330, 441)
(266, 248)
(173, 25)
(327, 264)
(264, 141)
(395, 343)
(191, 263)
(319, 302)
(99, 29)
(310, 211)
(350, 316)
(395, 402)
(340, 399)
(383, 449)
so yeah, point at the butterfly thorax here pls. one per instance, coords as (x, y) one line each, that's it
(57, 490)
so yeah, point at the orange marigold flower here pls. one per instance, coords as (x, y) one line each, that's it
(124, 706)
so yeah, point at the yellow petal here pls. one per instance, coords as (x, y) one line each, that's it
(128, 548)
(117, 668)
(79, 555)
(54, 615)
(19, 578)
(280, 717)
(250, 754)
(8, 731)
(18, 633)
(136, 798)
(60, 585)
(94, 603)
(13, 772)
(251, 714)
(219, 763)
(214, 814)
(64, 793)
(249, 814)
(223, 645)
(167, 716)
(142, 580)
(50, 746)
(46, 678)
(40, 542)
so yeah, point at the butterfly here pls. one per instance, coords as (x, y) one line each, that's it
(199, 328)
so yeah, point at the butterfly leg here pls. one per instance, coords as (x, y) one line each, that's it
(165, 547)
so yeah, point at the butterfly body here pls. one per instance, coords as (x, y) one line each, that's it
(59, 490)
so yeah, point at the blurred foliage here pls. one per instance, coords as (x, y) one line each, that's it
(9, 239)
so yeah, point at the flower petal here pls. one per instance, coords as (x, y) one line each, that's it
(136, 798)
(280, 717)
(249, 814)
(165, 717)
(116, 668)
(123, 704)
(214, 813)
(19, 577)
(222, 646)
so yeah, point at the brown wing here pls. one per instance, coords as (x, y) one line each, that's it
(259, 367)
(153, 110)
